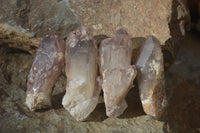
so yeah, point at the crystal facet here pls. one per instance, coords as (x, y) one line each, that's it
(116, 71)
(44, 72)
(151, 80)
(82, 89)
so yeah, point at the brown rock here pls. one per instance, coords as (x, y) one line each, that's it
(82, 89)
(44, 72)
(140, 17)
(117, 72)
(151, 80)
(164, 19)
(180, 20)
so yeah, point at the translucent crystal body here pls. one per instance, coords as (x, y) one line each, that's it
(82, 89)
(116, 71)
(45, 70)
(150, 77)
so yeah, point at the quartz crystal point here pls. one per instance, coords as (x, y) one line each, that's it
(82, 91)
(116, 71)
(150, 77)
(45, 70)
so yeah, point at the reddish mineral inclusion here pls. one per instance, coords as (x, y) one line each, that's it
(45, 70)
(82, 91)
(116, 71)
(151, 80)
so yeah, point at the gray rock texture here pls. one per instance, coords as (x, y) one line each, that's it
(41, 16)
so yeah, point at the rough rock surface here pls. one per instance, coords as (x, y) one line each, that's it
(116, 71)
(141, 18)
(82, 91)
(151, 79)
(163, 19)
(41, 16)
(180, 20)
(45, 71)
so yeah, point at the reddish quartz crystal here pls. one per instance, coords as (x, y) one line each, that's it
(45, 70)
(116, 71)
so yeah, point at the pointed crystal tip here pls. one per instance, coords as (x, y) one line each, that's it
(121, 31)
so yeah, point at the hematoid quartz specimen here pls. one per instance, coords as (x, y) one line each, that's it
(117, 72)
(151, 80)
(45, 70)
(82, 91)
(81, 57)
